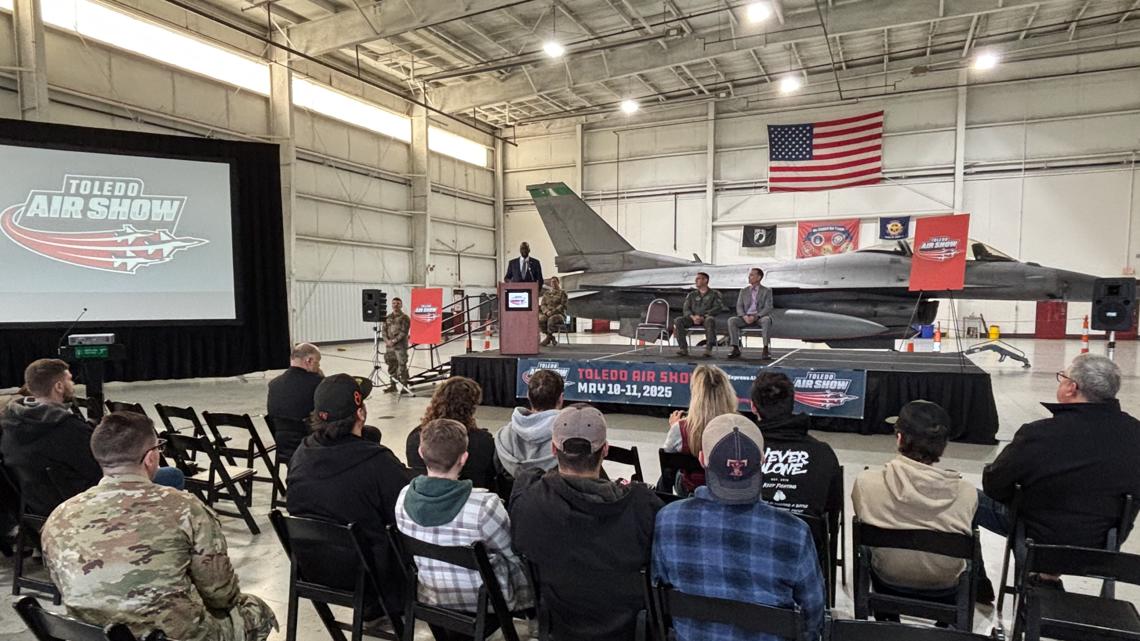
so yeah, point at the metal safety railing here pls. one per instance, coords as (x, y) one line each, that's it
(462, 319)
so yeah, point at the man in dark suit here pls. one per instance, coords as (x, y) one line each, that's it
(524, 269)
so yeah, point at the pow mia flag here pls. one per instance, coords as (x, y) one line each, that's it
(759, 236)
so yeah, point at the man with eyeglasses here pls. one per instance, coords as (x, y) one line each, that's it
(130, 551)
(1074, 468)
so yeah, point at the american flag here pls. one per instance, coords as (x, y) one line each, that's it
(826, 155)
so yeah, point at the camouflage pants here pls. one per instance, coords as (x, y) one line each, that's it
(397, 360)
(551, 324)
(251, 620)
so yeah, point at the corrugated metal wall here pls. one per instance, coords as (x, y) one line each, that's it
(330, 311)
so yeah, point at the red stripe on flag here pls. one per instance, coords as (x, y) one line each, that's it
(853, 174)
(873, 181)
(844, 154)
(844, 143)
(828, 167)
(844, 121)
(848, 131)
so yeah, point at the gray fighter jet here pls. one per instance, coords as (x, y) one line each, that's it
(857, 299)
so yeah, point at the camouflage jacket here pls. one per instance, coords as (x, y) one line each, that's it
(151, 557)
(553, 302)
(396, 327)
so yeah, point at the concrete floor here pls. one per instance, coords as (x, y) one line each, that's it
(263, 567)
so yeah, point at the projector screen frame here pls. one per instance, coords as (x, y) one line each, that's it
(235, 236)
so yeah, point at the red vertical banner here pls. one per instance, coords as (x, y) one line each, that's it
(826, 237)
(940, 246)
(427, 315)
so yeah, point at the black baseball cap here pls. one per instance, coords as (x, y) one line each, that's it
(340, 395)
(922, 418)
(734, 458)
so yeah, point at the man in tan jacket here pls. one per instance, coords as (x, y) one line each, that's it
(910, 493)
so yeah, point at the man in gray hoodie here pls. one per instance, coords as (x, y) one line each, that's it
(909, 493)
(525, 442)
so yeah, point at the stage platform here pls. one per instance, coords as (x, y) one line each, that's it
(893, 379)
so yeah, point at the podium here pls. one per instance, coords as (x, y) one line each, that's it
(92, 359)
(518, 319)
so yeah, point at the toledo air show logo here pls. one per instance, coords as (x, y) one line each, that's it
(823, 390)
(939, 249)
(95, 222)
(554, 366)
(425, 312)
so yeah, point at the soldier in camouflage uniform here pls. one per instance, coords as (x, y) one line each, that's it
(552, 311)
(129, 551)
(396, 327)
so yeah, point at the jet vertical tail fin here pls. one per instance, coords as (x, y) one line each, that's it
(583, 240)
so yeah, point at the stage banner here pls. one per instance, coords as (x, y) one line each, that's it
(427, 315)
(939, 261)
(758, 236)
(819, 392)
(826, 237)
(894, 227)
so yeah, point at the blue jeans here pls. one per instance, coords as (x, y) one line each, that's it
(992, 515)
(170, 477)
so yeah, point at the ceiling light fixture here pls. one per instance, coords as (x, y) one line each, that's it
(629, 106)
(553, 48)
(790, 84)
(758, 12)
(985, 60)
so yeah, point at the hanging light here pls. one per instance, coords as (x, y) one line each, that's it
(553, 48)
(986, 60)
(790, 84)
(629, 106)
(758, 12)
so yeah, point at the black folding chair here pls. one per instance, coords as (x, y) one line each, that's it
(29, 526)
(322, 556)
(48, 626)
(1113, 538)
(821, 537)
(189, 418)
(625, 456)
(218, 481)
(545, 619)
(786, 623)
(255, 447)
(123, 406)
(490, 615)
(966, 547)
(849, 630)
(1056, 614)
(673, 463)
(79, 406)
(287, 436)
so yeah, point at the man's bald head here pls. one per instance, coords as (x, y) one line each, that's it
(306, 356)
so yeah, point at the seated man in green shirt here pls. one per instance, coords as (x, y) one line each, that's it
(701, 307)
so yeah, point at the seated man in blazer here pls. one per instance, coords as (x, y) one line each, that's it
(753, 308)
(524, 269)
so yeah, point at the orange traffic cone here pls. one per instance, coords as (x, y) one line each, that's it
(1085, 335)
(910, 346)
(938, 337)
(487, 339)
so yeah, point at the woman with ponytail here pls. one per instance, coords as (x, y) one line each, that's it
(711, 394)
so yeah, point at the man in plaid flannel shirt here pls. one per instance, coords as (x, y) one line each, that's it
(725, 542)
(439, 508)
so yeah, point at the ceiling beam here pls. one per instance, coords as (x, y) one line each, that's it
(843, 20)
(381, 20)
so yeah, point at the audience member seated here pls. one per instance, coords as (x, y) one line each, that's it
(711, 394)
(727, 543)
(588, 537)
(909, 493)
(291, 396)
(457, 398)
(801, 473)
(40, 431)
(337, 475)
(525, 441)
(1074, 468)
(441, 509)
(129, 551)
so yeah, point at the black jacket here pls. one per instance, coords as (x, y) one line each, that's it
(480, 468)
(291, 394)
(801, 473)
(1074, 470)
(41, 435)
(533, 273)
(352, 480)
(589, 542)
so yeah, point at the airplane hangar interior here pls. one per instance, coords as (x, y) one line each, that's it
(624, 320)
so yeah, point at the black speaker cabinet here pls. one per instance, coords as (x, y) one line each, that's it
(1113, 302)
(374, 305)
